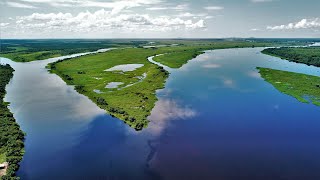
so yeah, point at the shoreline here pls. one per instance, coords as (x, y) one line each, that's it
(11, 136)
(299, 57)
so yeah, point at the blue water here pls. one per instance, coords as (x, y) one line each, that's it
(216, 119)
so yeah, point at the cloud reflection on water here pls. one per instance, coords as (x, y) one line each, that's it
(81, 109)
(211, 66)
(254, 74)
(166, 110)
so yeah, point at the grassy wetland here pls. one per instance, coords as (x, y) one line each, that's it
(305, 88)
(135, 96)
(134, 101)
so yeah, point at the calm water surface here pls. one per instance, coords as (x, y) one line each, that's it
(216, 119)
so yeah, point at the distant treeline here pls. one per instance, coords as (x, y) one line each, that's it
(70, 46)
(11, 136)
(30, 50)
(306, 55)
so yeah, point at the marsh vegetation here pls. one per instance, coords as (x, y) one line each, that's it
(305, 88)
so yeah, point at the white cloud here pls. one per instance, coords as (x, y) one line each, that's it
(187, 14)
(102, 20)
(209, 17)
(214, 8)
(211, 66)
(179, 7)
(303, 24)
(116, 6)
(157, 8)
(4, 24)
(254, 29)
(20, 5)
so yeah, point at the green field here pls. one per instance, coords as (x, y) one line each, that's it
(305, 55)
(305, 88)
(11, 136)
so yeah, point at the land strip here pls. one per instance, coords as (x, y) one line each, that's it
(305, 88)
(11, 136)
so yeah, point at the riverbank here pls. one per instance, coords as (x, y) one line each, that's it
(11, 136)
(305, 55)
(305, 88)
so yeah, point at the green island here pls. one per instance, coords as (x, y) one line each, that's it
(11, 136)
(305, 88)
(305, 55)
(135, 94)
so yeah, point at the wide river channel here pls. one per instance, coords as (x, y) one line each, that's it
(215, 119)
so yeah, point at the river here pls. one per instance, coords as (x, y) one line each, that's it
(215, 119)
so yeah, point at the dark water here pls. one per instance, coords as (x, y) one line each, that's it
(216, 119)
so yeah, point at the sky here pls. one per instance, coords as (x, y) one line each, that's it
(159, 18)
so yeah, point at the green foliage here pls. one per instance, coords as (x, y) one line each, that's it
(2, 156)
(11, 136)
(305, 88)
(306, 55)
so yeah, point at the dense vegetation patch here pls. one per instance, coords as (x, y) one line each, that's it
(306, 55)
(305, 88)
(11, 136)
